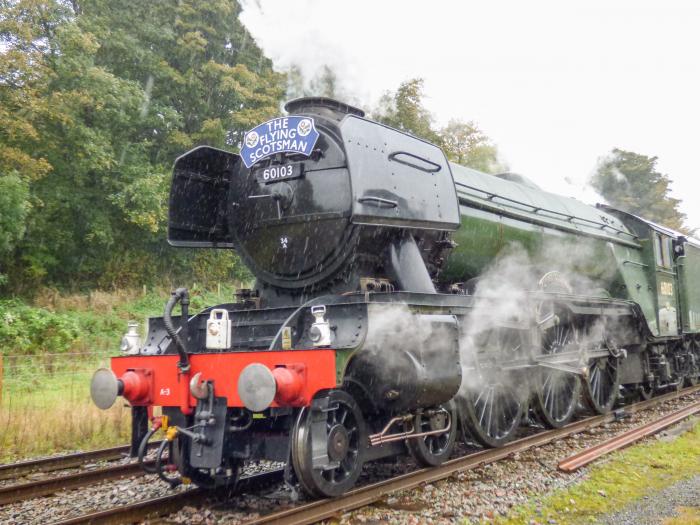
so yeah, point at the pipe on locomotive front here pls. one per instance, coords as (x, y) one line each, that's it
(182, 296)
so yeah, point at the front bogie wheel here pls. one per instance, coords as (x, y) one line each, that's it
(434, 448)
(336, 427)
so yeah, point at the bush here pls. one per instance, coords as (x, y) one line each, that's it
(29, 330)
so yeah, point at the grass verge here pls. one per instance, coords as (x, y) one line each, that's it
(45, 406)
(627, 476)
(45, 413)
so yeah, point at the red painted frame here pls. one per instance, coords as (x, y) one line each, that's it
(170, 388)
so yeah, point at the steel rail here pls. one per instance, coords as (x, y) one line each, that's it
(322, 509)
(34, 489)
(360, 497)
(164, 505)
(66, 461)
(13, 470)
(589, 455)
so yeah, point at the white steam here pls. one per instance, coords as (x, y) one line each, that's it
(503, 304)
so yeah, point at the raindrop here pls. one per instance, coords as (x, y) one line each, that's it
(147, 96)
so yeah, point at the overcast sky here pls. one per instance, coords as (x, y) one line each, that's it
(555, 84)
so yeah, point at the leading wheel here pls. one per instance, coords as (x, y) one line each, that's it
(491, 403)
(339, 431)
(557, 392)
(432, 450)
(602, 384)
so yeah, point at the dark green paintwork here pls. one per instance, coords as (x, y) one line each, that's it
(586, 244)
(688, 267)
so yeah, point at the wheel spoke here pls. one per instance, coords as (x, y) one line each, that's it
(333, 481)
(484, 407)
(490, 419)
(556, 397)
(594, 383)
(548, 398)
(478, 399)
(490, 415)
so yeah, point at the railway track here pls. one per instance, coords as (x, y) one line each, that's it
(589, 455)
(328, 508)
(323, 509)
(164, 505)
(35, 489)
(23, 468)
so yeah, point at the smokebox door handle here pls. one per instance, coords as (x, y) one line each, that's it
(379, 202)
(415, 161)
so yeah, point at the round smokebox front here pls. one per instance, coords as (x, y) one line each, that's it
(290, 214)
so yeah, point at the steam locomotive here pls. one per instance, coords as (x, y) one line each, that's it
(401, 302)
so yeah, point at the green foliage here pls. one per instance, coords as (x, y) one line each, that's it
(465, 144)
(462, 142)
(631, 182)
(404, 110)
(195, 61)
(217, 266)
(92, 322)
(30, 330)
(24, 79)
(14, 203)
(97, 98)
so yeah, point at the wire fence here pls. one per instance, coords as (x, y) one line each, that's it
(45, 405)
(45, 378)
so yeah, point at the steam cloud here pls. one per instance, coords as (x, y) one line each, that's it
(502, 299)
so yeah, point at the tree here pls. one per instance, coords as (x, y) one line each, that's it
(14, 206)
(404, 110)
(465, 144)
(97, 98)
(462, 142)
(631, 182)
(24, 108)
(194, 60)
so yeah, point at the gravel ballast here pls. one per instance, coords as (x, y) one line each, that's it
(654, 508)
(474, 496)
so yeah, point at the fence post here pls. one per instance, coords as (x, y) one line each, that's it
(1, 374)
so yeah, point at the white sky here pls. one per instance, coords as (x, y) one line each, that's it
(555, 84)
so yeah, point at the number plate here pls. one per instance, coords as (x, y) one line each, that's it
(278, 172)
